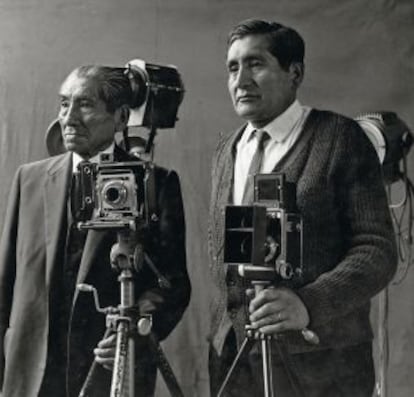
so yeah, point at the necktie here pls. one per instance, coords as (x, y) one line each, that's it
(255, 165)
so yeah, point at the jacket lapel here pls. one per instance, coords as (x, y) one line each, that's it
(228, 158)
(55, 206)
(90, 252)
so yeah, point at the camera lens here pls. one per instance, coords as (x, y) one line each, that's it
(112, 195)
(115, 193)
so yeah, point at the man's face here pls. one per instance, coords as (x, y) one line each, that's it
(259, 88)
(87, 126)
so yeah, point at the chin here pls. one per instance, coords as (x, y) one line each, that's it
(245, 113)
(249, 116)
(74, 148)
(248, 111)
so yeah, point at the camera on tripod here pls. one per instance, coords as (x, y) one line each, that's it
(119, 194)
(265, 240)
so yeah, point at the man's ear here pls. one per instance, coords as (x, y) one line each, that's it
(296, 70)
(121, 117)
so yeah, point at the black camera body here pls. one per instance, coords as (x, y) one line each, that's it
(265, 239)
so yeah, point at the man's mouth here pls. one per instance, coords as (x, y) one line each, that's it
(247, 98)
(72, 132)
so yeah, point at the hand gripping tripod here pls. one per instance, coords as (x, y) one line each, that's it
(128, 323)
(260, 277)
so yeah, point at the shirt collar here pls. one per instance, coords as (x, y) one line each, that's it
(76, 158)
(280, 127)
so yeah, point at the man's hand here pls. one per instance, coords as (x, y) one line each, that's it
(275, 310)
(106, 349)
(105, 352)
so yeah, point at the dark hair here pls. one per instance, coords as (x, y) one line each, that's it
(113, 85)
(285, 44)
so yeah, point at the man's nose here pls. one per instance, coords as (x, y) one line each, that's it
(70, 115)
(243, 78)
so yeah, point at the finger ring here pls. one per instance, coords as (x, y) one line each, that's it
(279, 316)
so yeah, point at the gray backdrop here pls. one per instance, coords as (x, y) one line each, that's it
(360, 57)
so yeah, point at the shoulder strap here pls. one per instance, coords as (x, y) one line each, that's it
(151, 206)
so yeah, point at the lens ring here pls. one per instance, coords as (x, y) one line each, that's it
(114, 193)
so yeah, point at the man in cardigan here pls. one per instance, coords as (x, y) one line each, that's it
(48, 333)
(349, 251)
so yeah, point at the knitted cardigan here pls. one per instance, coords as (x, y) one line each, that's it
(349, 251)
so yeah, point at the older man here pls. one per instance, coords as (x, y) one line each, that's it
(47, 332)
(349, 251)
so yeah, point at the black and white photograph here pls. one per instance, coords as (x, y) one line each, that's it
(206, 198)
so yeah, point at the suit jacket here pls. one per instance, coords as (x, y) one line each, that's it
(349, 250)
(31, 250)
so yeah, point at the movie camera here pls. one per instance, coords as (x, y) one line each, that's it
(265, 240)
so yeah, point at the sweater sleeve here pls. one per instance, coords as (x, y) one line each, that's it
(370, 259)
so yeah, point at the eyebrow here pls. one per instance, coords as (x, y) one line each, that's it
(79, 98)
(249, 58)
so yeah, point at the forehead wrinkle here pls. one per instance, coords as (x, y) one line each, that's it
(78, 87)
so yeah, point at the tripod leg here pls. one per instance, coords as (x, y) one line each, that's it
(121, 362)
(244, 349)
(96, 374)
(266, 347)
(131, 367)
(123, 375)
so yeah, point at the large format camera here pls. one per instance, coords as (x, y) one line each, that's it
(265, 240)
(112, 195)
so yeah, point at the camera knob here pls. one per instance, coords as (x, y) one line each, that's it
(144, 325)
(285, 270)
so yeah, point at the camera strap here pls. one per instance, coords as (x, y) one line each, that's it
(150, 194)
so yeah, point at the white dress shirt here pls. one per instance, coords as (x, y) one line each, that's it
(76, 158)
(284, 131)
